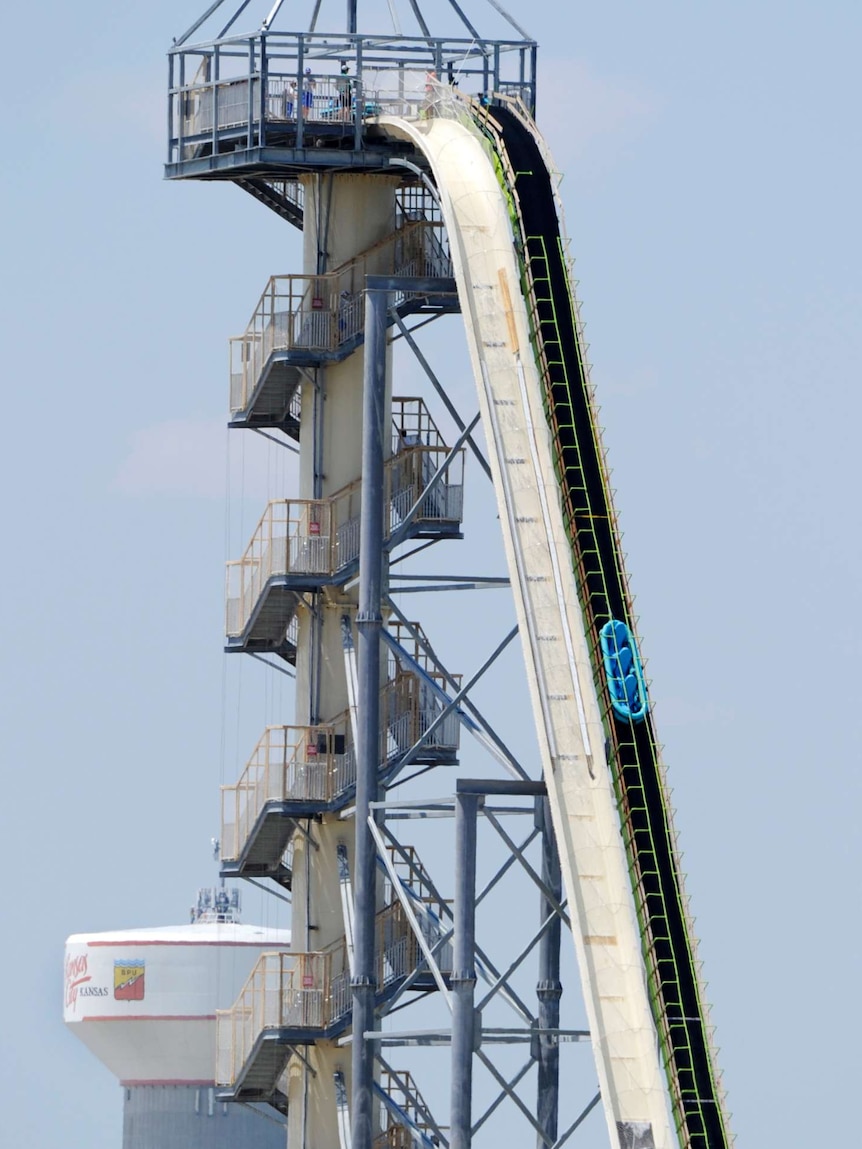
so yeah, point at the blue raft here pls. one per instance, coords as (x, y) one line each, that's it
(623, 671)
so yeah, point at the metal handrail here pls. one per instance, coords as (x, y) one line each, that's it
(309, 990)
(248, 86)
(318, 763)
(320, 313)
(318, 538)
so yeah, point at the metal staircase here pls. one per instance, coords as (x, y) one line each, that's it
(297, 999)
(407, 1119)
(302, 545)
(305, 321)
(303, 772)
(284, 197)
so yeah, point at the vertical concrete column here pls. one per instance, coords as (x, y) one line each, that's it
(345, 215)
(549, 989)
(463, 971)
(369, 622)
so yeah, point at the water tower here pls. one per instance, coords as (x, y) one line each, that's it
(144, 1002)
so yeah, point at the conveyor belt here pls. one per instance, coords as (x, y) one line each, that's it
(675, 993)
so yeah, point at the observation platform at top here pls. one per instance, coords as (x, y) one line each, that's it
(270, 106)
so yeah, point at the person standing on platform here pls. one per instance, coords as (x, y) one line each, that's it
(308, 86)
(344, 87)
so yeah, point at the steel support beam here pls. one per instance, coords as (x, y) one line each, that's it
(479, 728)
(579, 1120)
(441, 391)
(555, 903)
(421, 1109)
(463, 979)
(397, 536)
(410, 914)
(369, 623)
(549, 988)
(484, 966)
(503, 755)
(414, 284)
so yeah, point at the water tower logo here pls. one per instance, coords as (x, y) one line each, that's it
(129, 980)
(76, 976)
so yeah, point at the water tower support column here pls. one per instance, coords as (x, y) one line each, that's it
(369, 622)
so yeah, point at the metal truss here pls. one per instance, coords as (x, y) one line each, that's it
(458, 966)
(266, 24)
(465, 1036)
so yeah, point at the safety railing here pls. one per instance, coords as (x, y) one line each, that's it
(394, 1136)
(414, 201)
(283, 990)
(282, 85)
(409, 474)
(319, 98)
(309, 990)
(405, 1114)
(317, 314)
(409, 708)
(289, 763)
(289, 189)
(413, 639)
(289, 538)
(413, 424)
(410, 872)
(240, 395)
(318, 763)
(318, 538)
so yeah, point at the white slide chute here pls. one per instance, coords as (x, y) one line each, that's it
(565, 704)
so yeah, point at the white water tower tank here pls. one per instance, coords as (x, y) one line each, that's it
(144, 1002)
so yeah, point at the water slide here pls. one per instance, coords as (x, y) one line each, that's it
(606, 784)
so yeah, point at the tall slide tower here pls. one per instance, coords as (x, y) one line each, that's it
(442, 875)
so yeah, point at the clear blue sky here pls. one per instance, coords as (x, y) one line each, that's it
(712, 185)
